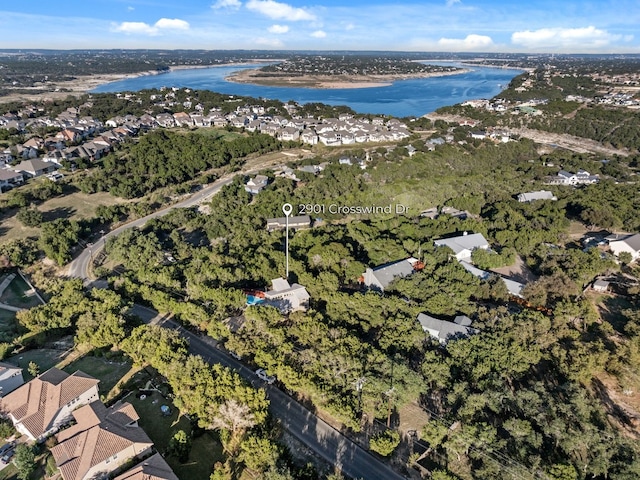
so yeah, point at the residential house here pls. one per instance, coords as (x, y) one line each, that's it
(10, 378)
(582, 177)
(601, 286)
(296, 222)
(34, 168)
(152, 468)
(101, 441)
(463, 245)
(627, 243)
(10, 178)
(533, 196)
(514, 288)
(40, 407)
(256, 184)
(286, 297)
(444, 330)
(380, 277)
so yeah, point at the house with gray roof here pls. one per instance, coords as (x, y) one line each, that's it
(444, 330)
(295, 222)
(256, 184)
(533, 196)
(10, 378)
(379, 278)
(627, 243)
(287, 297)
(463, 245)
(35, 167)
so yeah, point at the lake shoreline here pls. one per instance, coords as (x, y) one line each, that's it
(328, 82)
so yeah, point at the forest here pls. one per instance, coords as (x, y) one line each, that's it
(352, 348)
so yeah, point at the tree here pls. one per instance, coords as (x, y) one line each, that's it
(259, 454)
(180, 445)
(384, 443)
(29, 217)
(625, 258)
(33, 369)
(25, 461)
(57, 238)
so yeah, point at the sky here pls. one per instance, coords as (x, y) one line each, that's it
(546, 26)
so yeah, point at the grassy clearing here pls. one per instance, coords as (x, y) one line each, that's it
(109, 372)
(74, 206)
(205, 451)
(45, 358)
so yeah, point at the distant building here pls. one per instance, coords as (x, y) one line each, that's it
(533, 196)
(464, 244)
(286, 297)
(379, 278)
(256, 184)
(296, 222)
(444, 330)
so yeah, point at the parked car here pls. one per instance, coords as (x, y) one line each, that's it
(262, 375)
(235, 355)
(7, 456)
(6, 447)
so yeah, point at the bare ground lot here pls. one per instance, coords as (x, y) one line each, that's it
(73, 206)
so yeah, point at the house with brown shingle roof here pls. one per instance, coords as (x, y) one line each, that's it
(101, 441)
(153, 468)
(40, 407)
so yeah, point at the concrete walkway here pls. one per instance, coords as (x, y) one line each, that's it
(5, 283)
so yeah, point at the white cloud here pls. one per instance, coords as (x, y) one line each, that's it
(562, 38)
(349, 26)
(319, 34)
(135, 27)
(130, 8)
(278, 29)
(279, 11)
(470, 42)
(451, 3)
(231, 4)
(172, 24)
(142, 28)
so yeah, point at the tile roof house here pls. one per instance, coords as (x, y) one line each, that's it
(100, 442)
(153, 468)
(41, 406)
(285, 297)
(444, 330)
(464, 244)
(10, 378)
(380, 277)
(628, 243)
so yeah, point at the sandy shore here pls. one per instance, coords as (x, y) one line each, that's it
(330, 81)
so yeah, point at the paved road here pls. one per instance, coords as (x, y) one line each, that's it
(313, 432)
(79, 267)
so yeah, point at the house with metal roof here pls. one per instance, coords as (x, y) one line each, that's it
(444, 330)
(533, 196)
(379, 278)
(287, 297)
(463, 245)
(627, 243)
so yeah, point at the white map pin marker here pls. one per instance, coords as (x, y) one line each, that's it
(287, 209)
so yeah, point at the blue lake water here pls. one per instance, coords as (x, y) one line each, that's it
(414, 97)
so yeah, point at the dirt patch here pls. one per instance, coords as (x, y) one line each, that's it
(622, 403)
(518, 271)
